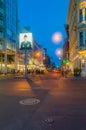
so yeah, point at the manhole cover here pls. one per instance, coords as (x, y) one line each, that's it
(49, 120)
(29, 101)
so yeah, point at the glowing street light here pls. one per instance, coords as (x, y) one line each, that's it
(38, 54)
(58, 52)
(59, 58)
(57, 37)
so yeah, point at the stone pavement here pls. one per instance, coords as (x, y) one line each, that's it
(3, 76)
(62, 104)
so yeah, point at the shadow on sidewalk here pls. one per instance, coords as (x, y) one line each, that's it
(39, 92)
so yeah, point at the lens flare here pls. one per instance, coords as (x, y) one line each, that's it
(58, 52)
(57, 37)
(59, 58)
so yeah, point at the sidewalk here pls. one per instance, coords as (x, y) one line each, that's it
(5, 76)
(72, 77)
(75, 77)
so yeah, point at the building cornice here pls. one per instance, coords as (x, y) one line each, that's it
(69, 10)
(72, 5)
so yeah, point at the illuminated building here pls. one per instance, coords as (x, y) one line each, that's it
(38, 54)
(8, 34)
(65, 50)
(34, 56)
(46, 59)
(77, 34)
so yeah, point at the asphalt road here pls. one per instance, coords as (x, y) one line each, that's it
(62, 103)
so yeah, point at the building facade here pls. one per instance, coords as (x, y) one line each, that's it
(77, 34)
(8, 34)
(38, 55)
(65, 49)
(2, 12)
(65, 52)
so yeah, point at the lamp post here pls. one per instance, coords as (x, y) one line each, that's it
(25, 60)
(5, 58)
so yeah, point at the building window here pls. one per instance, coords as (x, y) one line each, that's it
(85, 13)
(80, 15)
(85, 37)
(83, 65)
(81, 38)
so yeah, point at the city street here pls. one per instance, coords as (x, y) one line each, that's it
(61, 106)
(42, 65)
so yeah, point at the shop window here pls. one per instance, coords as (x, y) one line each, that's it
(83, 65)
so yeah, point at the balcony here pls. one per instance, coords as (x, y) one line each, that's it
(80, 48)
(1, 4)
(1, 28)
(1, 16)
(1, 20)
(1, 10)
(1, 23)
(81, 24)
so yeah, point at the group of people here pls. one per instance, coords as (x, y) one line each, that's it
(35, 71)
(65, 72)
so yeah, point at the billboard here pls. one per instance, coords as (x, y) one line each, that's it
(25, 41)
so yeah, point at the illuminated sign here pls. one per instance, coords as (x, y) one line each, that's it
(25, 41)
(64, 61)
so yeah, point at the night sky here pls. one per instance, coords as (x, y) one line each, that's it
(45, 17)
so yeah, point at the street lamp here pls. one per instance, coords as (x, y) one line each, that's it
(57, 37)
(58, 52)
(37, 54)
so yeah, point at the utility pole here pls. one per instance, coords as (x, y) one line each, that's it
(25, 61)
(5, 58)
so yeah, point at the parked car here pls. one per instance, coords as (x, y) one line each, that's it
(56, 70)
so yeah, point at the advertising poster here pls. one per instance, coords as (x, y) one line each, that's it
(25, 41)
